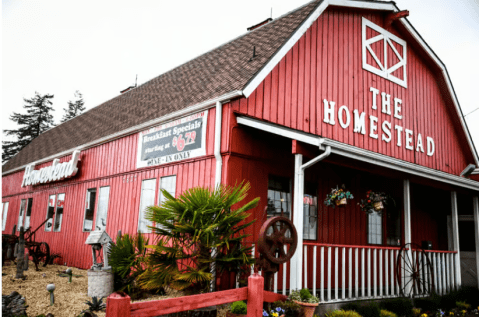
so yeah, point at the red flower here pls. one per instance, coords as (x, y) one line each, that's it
(369, 201)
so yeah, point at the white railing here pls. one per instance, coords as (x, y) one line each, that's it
(349, 272)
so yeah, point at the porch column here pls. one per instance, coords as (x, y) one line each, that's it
(407, 231)
(296, 275)
(455, 239)
(475, 202)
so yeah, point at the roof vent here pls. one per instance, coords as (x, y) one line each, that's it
(251, 28)
(131, 87)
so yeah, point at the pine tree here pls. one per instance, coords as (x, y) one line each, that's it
(37, 120)
(74, 108)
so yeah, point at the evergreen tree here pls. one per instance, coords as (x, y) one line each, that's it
(74, 108)
(37, 120)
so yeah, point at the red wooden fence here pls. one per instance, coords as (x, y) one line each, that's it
(119, 305)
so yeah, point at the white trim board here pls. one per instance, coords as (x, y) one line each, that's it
(361, 154)
(171, 116)
(382, 6)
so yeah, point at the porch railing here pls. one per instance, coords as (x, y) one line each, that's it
(337, 272)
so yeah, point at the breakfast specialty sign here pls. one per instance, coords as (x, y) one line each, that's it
(173, 141)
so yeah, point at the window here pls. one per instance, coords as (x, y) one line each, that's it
(147, 198)
(4, 214)
(102, 208)
(21, 214)
(29, 213)
(279, 197)
(310, 216)
(89, 209)
(393, 227)
(375, 228)
(59, 212)
(167, 183)
(50, 213)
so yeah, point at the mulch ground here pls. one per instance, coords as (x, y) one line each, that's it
(70, 298)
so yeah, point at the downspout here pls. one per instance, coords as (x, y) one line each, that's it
(219, 159)
(297, 259)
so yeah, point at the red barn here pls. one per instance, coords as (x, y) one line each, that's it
(334, 93)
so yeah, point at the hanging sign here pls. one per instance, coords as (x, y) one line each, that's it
(57, 171)
(174, 141)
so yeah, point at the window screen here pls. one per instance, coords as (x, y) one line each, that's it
(103, 199)
(21, 214)
(50, 213)
(148, 187)
(29, 213)
(279, 197)
(59, 212)
(89, 209)
(375, 228)
(4, 215)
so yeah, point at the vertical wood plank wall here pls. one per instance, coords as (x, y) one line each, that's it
(326, 64)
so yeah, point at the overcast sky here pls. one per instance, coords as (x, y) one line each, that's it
(98, 47)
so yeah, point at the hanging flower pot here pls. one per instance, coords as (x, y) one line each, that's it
(338, 197)
(374, 201)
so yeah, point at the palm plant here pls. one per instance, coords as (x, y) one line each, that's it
(127, 258)
(197, 233)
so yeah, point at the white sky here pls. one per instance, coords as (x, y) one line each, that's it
(98, 47)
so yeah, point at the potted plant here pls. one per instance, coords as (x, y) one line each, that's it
(338, 197)
(238, 309)
(306, 300)
(374, 201)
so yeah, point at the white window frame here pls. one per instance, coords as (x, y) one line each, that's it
(26, 218)
(87, 203)
(380, 226)
(161, 198)
(21, 213)
(50, 197)
(4, 214)
(143, 205)
(56, 212)
(102, 204)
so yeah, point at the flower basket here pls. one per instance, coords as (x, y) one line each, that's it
(309, 308)
(338, 197)
(375, 202)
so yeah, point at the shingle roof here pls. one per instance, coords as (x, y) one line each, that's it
(222, 70)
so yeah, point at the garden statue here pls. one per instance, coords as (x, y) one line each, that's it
(99, 241)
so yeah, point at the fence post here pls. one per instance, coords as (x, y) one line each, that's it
(118, 305)
(255, 295)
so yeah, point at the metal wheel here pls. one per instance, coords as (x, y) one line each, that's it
(41, 252)
(275, 234)
(414, 272)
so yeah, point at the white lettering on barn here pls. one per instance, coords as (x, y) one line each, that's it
(412, 141)
(57, 171)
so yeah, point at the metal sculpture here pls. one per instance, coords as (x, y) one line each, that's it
(277, 243)
(40, 251)
(414, 273)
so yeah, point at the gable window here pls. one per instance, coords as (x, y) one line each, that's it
(59, 212)
(102, 214)
(29, 213)
(21, 214)
(50, 213)
(279, 197)
(147, 198)
(4, 214)
(89, 209)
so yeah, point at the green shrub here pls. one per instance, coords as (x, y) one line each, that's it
(387, 313)
(343, 313)
(355, 306)
(369, 309)
(400, 306)
(305, 295)
(431, 303)
(463, 305)
(239, 307)
(291, 309)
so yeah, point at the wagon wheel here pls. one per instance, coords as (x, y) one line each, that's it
(41, 252)
(275, 234)
(414, 272)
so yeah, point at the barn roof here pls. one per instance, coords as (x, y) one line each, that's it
(226, 70)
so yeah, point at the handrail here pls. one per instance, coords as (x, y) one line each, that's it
(367, 247)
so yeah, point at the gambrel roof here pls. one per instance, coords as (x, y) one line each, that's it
(228, 70)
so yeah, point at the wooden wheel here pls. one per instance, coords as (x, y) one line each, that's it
(414, 272)
(275, 234)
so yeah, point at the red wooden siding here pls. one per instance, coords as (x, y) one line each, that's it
(326, 64)
(111, 164)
